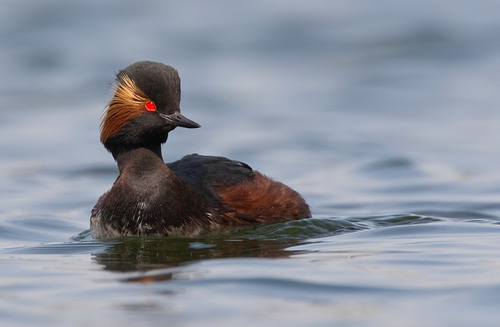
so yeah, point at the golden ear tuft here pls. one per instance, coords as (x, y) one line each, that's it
(126, 104)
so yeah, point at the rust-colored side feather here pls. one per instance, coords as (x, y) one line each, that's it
(126, 104)
(263, 199)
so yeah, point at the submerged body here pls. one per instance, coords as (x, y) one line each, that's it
(192, 196)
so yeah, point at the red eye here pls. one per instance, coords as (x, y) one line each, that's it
(150, 106)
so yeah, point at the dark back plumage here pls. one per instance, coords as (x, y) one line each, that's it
(206, 174)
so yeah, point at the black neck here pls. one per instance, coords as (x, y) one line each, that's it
(127, 155)
(120, 144)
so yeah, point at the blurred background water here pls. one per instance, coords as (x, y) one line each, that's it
(384, 115)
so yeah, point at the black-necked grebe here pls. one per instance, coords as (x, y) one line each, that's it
(192, 196)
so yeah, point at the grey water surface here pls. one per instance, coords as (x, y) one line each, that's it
(384, 115)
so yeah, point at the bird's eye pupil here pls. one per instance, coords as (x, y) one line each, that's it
(150, 106)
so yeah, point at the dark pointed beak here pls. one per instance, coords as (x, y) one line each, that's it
(177, 119)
